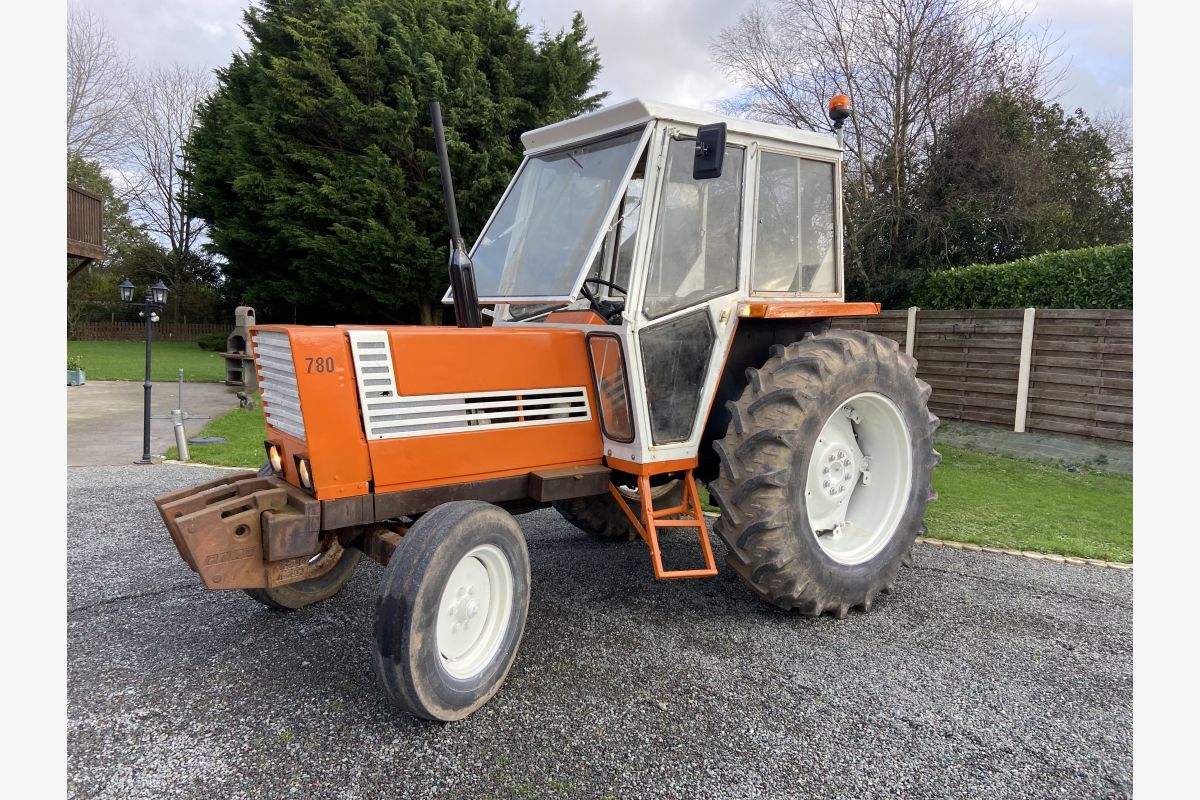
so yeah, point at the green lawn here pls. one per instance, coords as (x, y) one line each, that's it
(999, 501)
(990, 500)
(126, 361)
(244, 432)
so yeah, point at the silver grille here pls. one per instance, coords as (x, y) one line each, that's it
(277, 381)
(389, 415)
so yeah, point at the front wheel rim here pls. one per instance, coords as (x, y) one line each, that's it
(474, 611)
(859, 478)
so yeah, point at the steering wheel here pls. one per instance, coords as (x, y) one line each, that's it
(610, 310)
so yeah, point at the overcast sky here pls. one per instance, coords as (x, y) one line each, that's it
(655, 49)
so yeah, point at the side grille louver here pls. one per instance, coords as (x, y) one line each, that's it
(388, 415)
(277, 381)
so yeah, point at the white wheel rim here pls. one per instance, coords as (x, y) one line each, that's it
(474, 611)
(859, 477)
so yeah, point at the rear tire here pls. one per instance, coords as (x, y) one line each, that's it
(809, 522)
(600, 516)
(451, 610)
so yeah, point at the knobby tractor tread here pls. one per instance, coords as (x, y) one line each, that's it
(601, 517)
(764, 459)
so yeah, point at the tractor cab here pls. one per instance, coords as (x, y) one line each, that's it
(655, 228)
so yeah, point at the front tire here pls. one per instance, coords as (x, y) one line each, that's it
(451, 610)
(826, 472)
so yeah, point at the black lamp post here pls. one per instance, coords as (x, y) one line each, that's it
(154, 301)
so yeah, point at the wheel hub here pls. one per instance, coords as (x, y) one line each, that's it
(464, 608)
(474, 611)
(852, 515)
(839, 469)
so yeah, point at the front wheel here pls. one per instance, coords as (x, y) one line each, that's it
(826, 472)
(452, 610)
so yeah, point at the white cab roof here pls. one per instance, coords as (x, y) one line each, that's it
(633, 112)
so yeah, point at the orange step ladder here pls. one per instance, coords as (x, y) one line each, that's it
(649, 521)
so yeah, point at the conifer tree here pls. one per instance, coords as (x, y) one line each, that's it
(314, 165)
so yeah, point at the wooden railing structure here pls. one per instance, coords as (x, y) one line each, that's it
(136, 331)
(85, 227)
(1055, 370)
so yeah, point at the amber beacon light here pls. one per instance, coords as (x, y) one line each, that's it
(839, 112)
(839, 109)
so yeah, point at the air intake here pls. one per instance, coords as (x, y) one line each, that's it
(389, 415)
(277, 381)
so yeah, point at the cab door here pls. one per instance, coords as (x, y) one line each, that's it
(684, 302)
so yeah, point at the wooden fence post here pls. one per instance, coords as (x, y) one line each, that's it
(910, 336)
(1023, 374)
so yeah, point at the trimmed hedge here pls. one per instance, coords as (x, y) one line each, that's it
(214, 341)
(1092, 277)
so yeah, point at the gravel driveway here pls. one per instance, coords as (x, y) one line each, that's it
(982, 676)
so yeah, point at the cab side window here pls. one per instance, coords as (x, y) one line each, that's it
(695, 250)
(794, 247)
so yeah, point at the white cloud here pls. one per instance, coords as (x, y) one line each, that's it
(1097, 39)
(654, 49)
(202, 33)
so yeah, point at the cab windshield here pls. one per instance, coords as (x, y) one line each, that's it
(536, 245)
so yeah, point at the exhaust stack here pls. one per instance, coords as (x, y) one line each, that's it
(462, 272)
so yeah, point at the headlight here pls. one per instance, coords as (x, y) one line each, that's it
(305, 473)
(274, 457)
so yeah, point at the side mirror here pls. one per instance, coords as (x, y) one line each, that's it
(710, 152)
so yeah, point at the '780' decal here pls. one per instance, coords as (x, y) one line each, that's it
(319, 364)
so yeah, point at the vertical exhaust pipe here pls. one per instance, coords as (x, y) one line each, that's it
(462, 272)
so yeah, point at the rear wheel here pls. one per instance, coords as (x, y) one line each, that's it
(451, 610)
(826, 472)
(600, 515)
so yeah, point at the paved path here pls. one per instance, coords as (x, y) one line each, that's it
(981, 676)
(1050, 448)
(104, 418)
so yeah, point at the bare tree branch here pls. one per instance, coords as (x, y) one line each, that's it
(97, 88)
(911, 67)
(163, 109)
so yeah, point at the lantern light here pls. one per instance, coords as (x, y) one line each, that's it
(159, 293)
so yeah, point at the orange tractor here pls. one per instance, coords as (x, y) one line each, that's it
(660, 284)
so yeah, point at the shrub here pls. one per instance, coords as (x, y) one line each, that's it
(75, 362)
(213, 341)
(1092, 277)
